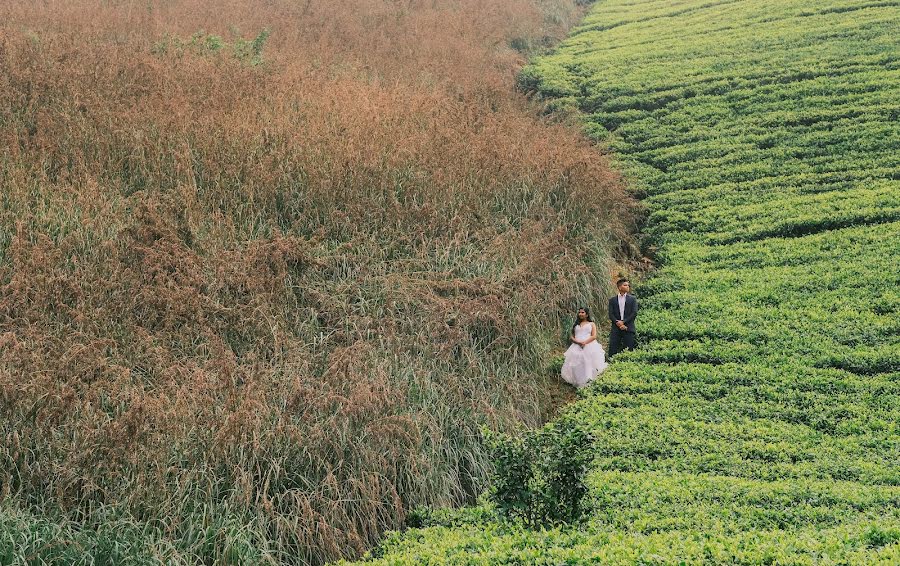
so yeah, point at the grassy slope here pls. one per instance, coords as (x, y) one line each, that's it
(266, 269)
(759, 421)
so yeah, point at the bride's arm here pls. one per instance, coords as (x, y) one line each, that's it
(575, 340)
(593, 335)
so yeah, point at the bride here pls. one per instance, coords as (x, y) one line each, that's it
(585, 358)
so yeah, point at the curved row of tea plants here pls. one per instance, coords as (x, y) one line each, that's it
(759, 422)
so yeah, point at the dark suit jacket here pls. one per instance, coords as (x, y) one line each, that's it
(631, 310)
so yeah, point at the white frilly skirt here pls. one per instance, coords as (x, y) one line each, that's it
(582, 365)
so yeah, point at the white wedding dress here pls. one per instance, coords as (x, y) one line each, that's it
(582, 365)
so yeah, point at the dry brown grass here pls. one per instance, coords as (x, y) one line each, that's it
(280, 297)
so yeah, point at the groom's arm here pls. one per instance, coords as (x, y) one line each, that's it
(633, 314)
(613, 312)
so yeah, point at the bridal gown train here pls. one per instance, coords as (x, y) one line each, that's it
(582, 365)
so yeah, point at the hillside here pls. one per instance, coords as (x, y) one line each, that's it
(268, 268)
(759, 422)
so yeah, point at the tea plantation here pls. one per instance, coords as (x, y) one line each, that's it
(759, 422)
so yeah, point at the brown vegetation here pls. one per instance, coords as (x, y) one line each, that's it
(276, 287)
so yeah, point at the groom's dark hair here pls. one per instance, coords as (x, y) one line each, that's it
(622, 280)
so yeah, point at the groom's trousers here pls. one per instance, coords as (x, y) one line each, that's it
(620, 340)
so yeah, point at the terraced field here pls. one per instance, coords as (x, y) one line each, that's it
(759, 423)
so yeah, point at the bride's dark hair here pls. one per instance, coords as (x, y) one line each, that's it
(587, 317)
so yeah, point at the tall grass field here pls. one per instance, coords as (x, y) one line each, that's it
(759, 420)
(267, 269)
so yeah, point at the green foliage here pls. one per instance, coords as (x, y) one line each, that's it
(539, 477)
(422, 517)
(115, 538)
(494, 543)
(556, 364)
(251, 51)
(200, 43)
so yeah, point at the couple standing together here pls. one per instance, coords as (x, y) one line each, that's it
(585, 358)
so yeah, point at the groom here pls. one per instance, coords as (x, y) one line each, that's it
(623, 309)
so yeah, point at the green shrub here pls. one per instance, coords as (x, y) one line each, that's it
(539, 477)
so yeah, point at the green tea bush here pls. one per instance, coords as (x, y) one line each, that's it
(539, 476)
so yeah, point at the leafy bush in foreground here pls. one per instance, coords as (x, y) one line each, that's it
(539, 477)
